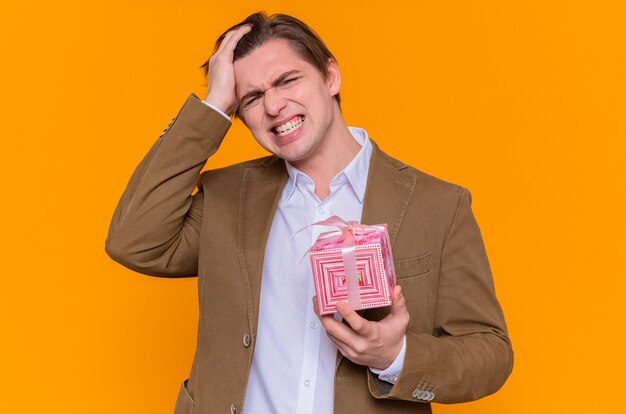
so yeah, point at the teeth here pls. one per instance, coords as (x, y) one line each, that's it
(289, 126)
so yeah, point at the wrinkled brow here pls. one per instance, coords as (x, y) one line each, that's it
(280, 79)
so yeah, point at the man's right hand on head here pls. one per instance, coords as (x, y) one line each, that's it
(221, 91)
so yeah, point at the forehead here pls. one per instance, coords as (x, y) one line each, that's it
(258, 69)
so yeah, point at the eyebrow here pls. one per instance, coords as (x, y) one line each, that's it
(275, 83)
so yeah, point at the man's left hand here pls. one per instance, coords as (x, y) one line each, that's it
(374, 344)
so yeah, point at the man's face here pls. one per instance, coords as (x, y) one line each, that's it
(285, 101)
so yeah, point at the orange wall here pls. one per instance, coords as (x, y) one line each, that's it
(520, 101)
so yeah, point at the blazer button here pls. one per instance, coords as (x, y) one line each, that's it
(246, 340)
(233, 409)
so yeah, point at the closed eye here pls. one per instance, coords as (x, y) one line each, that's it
(290, 80)
(250, 100)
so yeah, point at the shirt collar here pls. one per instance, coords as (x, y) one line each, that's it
(355, 172)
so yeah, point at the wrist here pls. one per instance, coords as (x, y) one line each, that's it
(392, 372)
(216, 109)
(218, 103)
(394, 352)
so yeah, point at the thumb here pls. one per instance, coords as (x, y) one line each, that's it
(398, 305)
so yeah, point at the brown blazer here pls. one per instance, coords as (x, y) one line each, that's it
(458, 348)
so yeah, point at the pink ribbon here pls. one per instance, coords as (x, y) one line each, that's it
(346, 232)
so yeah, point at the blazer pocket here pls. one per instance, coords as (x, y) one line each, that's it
(416, 267)
(184, 402)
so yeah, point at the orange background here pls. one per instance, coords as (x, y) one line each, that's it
(520, 101)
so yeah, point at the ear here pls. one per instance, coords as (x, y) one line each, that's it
(333, 80)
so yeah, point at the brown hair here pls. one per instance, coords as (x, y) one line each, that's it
(304, 41)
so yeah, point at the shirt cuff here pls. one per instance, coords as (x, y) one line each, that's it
(392, 372)
(216, 108)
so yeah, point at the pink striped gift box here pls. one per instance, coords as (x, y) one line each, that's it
(374, 266)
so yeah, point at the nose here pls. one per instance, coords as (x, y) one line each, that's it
(274, 102)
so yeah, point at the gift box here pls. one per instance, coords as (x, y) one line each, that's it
(352, 263)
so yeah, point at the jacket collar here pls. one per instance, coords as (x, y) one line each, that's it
(355, 172)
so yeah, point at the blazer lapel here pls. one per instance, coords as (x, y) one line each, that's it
(387, 196)
(260, 193)
(388, 192)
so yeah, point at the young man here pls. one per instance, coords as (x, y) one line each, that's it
(262, 347)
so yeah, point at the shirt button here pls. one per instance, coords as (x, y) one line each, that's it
(307, 383)
(321, 210)
(246, 340)
(313, 325)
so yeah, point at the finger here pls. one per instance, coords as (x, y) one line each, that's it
(356, 322)
(338, 330)
(227, 37)
(354, 351)
(333, 327)
(329, 322)
(223, 43)
(341, 346)
(345, 347)
(398, 305)
(324, 319)
(225, 40)
(234, 38)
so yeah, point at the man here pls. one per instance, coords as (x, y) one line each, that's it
(261, 346)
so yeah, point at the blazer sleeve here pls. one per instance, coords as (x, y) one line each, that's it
(156, 225)
(470, 354)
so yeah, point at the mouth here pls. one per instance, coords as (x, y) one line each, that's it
(288, 127)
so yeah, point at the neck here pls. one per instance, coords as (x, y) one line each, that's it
(338, 153)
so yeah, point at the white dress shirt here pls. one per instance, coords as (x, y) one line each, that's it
(293, 365)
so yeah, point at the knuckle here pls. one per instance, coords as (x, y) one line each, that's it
(218, 57)
(357, 324)
(374, 332)
(360, 348)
